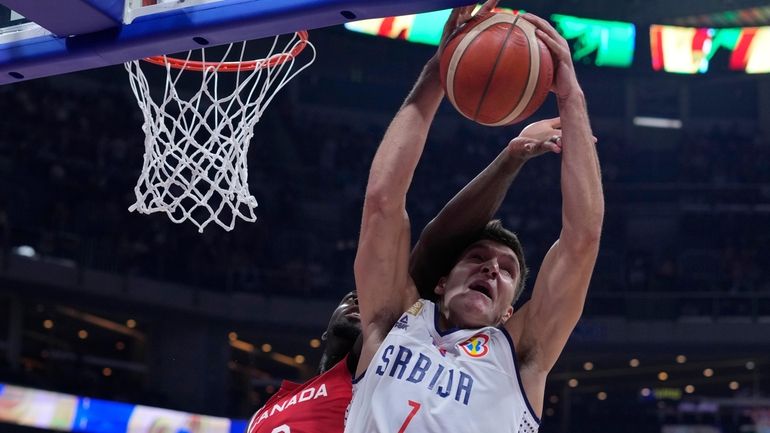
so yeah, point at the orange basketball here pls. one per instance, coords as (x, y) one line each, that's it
(495, 70)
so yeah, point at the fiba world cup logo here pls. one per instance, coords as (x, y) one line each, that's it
(476, 346)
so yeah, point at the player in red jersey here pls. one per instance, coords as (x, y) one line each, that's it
(319, 404)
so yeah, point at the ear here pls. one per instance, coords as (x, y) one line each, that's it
(440, 288)
(324, 336)
(507, 315)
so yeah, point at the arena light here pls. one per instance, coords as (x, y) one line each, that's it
(101, 322)
(24, 251)
(600, 42)
(657, 122)
(292, 361)
(284, 359)
(242, 346)
(689, 50)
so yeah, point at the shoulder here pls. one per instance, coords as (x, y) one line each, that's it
(420, 310)
(420, 307)
(338, 376)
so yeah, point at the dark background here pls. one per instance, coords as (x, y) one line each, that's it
(683, 268)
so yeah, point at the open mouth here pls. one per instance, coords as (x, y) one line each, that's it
(481, 288)
(353, 315)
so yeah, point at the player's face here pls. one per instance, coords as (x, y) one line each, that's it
(345, 321)
(480, 288)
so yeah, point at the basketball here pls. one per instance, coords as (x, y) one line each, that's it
(495, 70)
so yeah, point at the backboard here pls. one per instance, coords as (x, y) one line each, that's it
(49, 37)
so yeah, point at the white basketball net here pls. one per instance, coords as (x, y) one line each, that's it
(197, 140)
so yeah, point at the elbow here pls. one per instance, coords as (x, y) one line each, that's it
(591, 238)
(584, 238)
(379, 201)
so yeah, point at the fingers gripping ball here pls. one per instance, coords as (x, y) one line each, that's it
(495, 70)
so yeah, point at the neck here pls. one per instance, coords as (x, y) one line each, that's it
(444, 324)
(443, 321)
(328, 362)
(336, 349)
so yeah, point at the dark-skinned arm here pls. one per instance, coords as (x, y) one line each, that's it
(466, 214)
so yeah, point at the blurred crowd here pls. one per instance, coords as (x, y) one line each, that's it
(684, 218)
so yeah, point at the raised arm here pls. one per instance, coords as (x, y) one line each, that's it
(385, 289)
(466, 214)
(381, 265)
(541, 328)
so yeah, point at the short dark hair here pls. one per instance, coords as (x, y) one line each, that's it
(495, 232)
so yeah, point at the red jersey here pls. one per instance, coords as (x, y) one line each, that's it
(316, 406)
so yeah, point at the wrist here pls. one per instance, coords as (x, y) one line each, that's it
(514, 163)
(513, 159)
(428, 89)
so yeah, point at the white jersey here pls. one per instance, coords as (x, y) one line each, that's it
(422, 380)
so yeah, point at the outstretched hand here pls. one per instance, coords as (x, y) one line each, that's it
(537, 139)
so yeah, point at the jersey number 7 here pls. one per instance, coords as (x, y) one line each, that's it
(415, 407)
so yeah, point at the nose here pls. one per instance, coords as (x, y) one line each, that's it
(491, 268)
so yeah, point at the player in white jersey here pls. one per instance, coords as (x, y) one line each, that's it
(467, 363)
